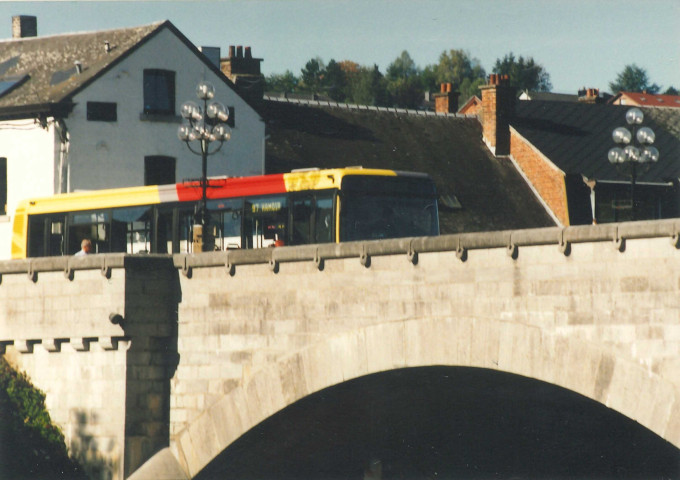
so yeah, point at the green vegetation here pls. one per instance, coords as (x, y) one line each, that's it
(31, 446)
(404, 83)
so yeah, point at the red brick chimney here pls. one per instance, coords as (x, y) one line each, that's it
(498, 107)
(589, 95)
(244, 71)
(447, 100)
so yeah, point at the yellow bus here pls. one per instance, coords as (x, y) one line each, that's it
(301, 207)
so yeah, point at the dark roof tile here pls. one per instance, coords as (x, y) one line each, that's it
(492, 193)
(50, 62)
(576, 137)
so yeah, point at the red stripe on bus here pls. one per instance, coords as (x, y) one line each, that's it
(232, 187)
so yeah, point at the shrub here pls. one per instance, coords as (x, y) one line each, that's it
(31, 446)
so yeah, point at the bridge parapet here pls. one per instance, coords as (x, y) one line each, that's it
(562, 237)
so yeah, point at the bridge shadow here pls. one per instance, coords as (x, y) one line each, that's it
(446, 422)
(86, 450)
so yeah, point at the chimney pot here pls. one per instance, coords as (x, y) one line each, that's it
(232, 51)
(239, 51)
(24, 26)
(442, 88)
(248, 53)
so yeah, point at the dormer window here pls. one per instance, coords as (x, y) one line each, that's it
(10, 83)
(159, 91)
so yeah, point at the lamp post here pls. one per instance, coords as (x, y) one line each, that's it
(635, 152)
(206, 125)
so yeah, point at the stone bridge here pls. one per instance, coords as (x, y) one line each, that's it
(154, 365)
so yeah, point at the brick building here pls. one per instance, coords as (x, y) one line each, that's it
(560, 148)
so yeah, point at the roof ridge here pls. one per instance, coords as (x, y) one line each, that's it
(150, 26)
(355, 106)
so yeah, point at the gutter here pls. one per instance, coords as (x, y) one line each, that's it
(57, 110)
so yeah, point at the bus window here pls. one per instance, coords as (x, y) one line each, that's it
(164, 238)
(225, 216)
(185, 224)
(387, 207)
(302, 220)
(55, 229)
(36, 236)
(312, 218)
(92, 225)
(323, 215)
(131, 230)
(46, 235)
(265, 220)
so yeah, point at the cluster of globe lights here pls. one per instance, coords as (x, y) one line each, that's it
(631, 154)
(206, 124)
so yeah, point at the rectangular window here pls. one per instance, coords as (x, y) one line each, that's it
(226, 217)
(159, 91)
(3, 186)
(265, 221)
(159, 170)
(91, 225)
(102, 111)
(131, 229)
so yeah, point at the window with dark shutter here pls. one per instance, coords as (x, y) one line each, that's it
(159, 170)
(102, 111)
(159, 91)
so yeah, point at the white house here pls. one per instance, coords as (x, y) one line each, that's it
(95, 110)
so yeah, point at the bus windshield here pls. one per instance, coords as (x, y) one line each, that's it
(387, 207)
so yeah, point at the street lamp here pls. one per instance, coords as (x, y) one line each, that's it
(636, 151)
(205, 124)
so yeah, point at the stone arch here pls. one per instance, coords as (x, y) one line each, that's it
(589, 369)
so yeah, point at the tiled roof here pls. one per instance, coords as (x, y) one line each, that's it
(50, 63)
(449, 148)
(650, 100)
(555, 97)
(576, 137)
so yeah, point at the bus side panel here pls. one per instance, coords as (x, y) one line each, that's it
(19, 230)
(233, 188)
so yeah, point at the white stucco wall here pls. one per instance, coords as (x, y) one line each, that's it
(111, 154)
(31, 164)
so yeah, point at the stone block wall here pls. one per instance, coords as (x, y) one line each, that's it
(191, 351)
(599, 321)
(58, 331)
(101, 343)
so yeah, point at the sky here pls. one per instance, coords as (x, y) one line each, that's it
(580, 43)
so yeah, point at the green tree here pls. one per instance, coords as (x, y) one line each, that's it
(633, 79)
(402, 67)
(366, 86)
(525, 74)
(671, 91)
(335, 81)
(282, 83)
(458, 68)
(31, 446)
(312, 75)
(404, 83)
